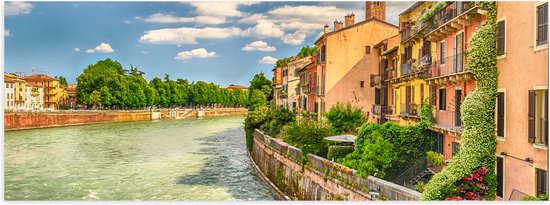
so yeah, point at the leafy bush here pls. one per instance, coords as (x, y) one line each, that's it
(420, 186)
(471, 187)
(373, 158)
(542, 197)
(308, 136)
(434, 159)
(345, 118)
(339, 151)
(408, 143)
(279, 117)
(254, 119)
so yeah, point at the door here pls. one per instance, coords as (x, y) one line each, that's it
(500, 174)
(458, 101)
(458, 49)
(407, 99)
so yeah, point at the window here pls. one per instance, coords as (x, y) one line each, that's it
(362, 83)
(500, 112)
(501, 32)
(367, 49)
(377, 96)
(456, 148)
(421, 93)
(500, 176)
(542, 24)
(542, 183)
(538, 117)
(442, 99)
(442, 53)
(323, 52)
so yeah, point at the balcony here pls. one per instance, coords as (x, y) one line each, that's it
(376, 109)
(390, 73)
(409, 110)
(405, 69)
(449, 70)
(375, 80)
(406, 34)
(448, 121)
(452, 18)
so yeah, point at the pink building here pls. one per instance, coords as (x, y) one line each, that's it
(522, 103)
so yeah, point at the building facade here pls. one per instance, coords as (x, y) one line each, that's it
(9, 93)
(384, 103)
(55, 94)
(278, 86)
(349, 49)
(522, 104)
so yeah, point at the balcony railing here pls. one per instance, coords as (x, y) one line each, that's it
(409, 110)
(375, 80)
(390, 110)
(405, 69)
(449, 65)
(451, 11)
(377, 109)
(448, 120)
(390, 73)
(406, 34)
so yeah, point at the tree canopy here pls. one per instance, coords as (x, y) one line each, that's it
(107, 84)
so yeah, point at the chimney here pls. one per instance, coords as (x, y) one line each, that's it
(336, 25)
(340, 25)
(350, 19)
(326, 29)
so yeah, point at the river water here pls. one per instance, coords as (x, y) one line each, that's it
(190, 159)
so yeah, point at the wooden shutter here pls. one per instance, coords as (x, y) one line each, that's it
(500, 114)
(545, 137)
(531, 116)
(542, 24)
(500, 40)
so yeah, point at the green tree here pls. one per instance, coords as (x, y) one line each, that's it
(374, 158)
(345, 118)
(95, 98)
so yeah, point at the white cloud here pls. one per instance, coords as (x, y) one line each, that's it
(127, 22)
(6, 32)
(252, 19)
(76, 49)
(187, 35)
(145, 52)
(220, 8)
(394, 8)
(13, 8)
(309, 14)
(258, 46)
(267, 60)
(295, 38)
(265, 29)
(137, 17)
(195, 53)
(167, 18)
(102, 48)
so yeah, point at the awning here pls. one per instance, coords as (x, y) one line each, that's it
(342, 138)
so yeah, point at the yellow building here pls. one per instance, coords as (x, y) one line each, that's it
(415, 57)
(55, 94)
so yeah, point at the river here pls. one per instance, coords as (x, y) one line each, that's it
(190, 159)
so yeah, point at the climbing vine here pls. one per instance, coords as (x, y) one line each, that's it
(478, 141)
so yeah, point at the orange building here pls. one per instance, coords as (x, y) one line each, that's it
(55, 94)
(522, 104)
(277, 85)
(384, 103)
(231, 87)
(349, 49)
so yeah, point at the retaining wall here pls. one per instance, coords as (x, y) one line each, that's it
(319, 179)
(31, 120)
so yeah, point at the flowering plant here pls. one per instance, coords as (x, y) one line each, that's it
(472, 186)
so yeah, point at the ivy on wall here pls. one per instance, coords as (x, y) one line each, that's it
(478, 140)
(432, 11)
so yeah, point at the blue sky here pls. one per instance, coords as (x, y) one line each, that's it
(221, 42)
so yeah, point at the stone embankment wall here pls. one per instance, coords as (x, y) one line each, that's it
(319, 179)
(30, 120)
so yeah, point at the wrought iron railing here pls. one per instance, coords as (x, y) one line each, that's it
(409, 110)
(406, 34)
(377, 109)
(451, 11)
(405, 69)
(390, 73)
(375, 80)
(449, 65)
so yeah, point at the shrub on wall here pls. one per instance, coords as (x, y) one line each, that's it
(408, 143)
(278, 118)
(308, 136)
(345, 118)
(478, 141)
(254, 119)
(338, 151)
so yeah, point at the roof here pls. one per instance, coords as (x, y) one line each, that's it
(412, 7)
(40, 77)
(355, 25)
(8, 79)
(342, 138)
(236, 87)
(71, 86)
